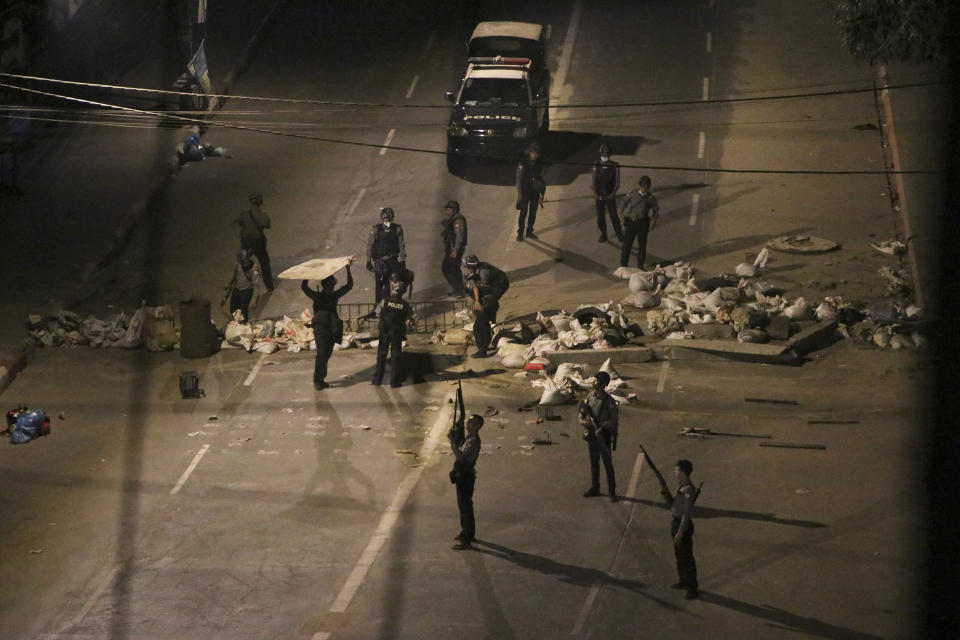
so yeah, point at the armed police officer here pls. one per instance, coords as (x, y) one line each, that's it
(466, 450)
(250, 225)
(531, 188)
(486, 284)
(606, 183)
(639, 214)
(454, 236)
(394, 313)
(327, 326)
(681, 528)
(386, 252)
(600, 417)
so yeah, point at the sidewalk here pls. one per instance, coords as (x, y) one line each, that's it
(113, 171)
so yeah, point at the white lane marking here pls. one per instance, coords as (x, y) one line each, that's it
(585, 611)
(561, 78)
(386, 143)
(186, 474)
(635, 476)
(709, 42)
(255, 370)
(431, 40)
(106, 582)
(413, 85)
(595, 589)
(706, 88)
(390, 516)
(701, 145)
(694, 208)
(661, 383)
(320, 635)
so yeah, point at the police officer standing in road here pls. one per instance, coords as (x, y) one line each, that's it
(600, 417)
(250, 225)
(606, 183)
(394, 312)
(531, 188)
(327, 326)
(386, 252)
(681, 529)
(454, 236)
(639, 214)
(486, 284)
(466, 450)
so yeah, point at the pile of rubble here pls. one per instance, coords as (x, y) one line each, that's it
(286, 333)
(152, 327)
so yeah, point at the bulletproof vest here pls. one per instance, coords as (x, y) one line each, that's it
(606, 177)
(387, 241)
(497, 281)
(393, 316)
(449, 236)
(531, 179)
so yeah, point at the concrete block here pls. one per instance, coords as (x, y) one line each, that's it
(617, 355)
(779, 327)
(713, 330)
(813, 337)
(706, 349)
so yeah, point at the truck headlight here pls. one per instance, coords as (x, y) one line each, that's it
(520, 132)
(457, 131)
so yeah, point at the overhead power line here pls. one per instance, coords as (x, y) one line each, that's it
(570, 105)
(303, 136)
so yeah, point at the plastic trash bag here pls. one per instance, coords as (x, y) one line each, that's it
(30, 425)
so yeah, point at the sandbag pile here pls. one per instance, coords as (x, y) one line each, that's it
(152, 327)
(747, 308)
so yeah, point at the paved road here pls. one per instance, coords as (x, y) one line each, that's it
(276, 503)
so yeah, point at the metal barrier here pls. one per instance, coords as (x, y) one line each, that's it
(430, 314)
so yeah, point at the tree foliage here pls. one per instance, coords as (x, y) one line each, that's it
(879, 31)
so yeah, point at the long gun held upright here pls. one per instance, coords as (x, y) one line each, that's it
(459, 414)
(664, 489)
(594, 428)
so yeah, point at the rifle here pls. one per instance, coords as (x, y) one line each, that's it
(459, 415)
(664, 489)
(587, 412)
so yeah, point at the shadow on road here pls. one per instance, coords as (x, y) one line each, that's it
(703, 513)
(785, 620)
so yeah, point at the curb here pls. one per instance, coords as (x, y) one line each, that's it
(12, 362)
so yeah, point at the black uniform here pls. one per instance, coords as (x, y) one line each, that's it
(491, 283)
(250, 225)
(466, 450)
(606, 183)
(682, 521)
(530, 188)
(454, 236)
(385, 251)
(327, 326)
(393, 312)
(607, 414)
(640, 211)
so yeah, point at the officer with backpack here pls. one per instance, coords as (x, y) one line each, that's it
(386, 252)
(606, 183)
(454, 235)
(486, 284)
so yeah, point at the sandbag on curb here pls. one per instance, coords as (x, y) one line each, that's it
(514, 359)
(642, 300)
(721, 296)
(758, 336)
(746, 270)
(457, 336)
(641, 282)
(561, 322)
(626, 272)
(551, 394)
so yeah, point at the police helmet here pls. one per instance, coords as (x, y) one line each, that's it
(644, 181)
(397, 284)
(386, 213)
(604, 150)
(471, 262)
(452, 204)
(256, 198)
